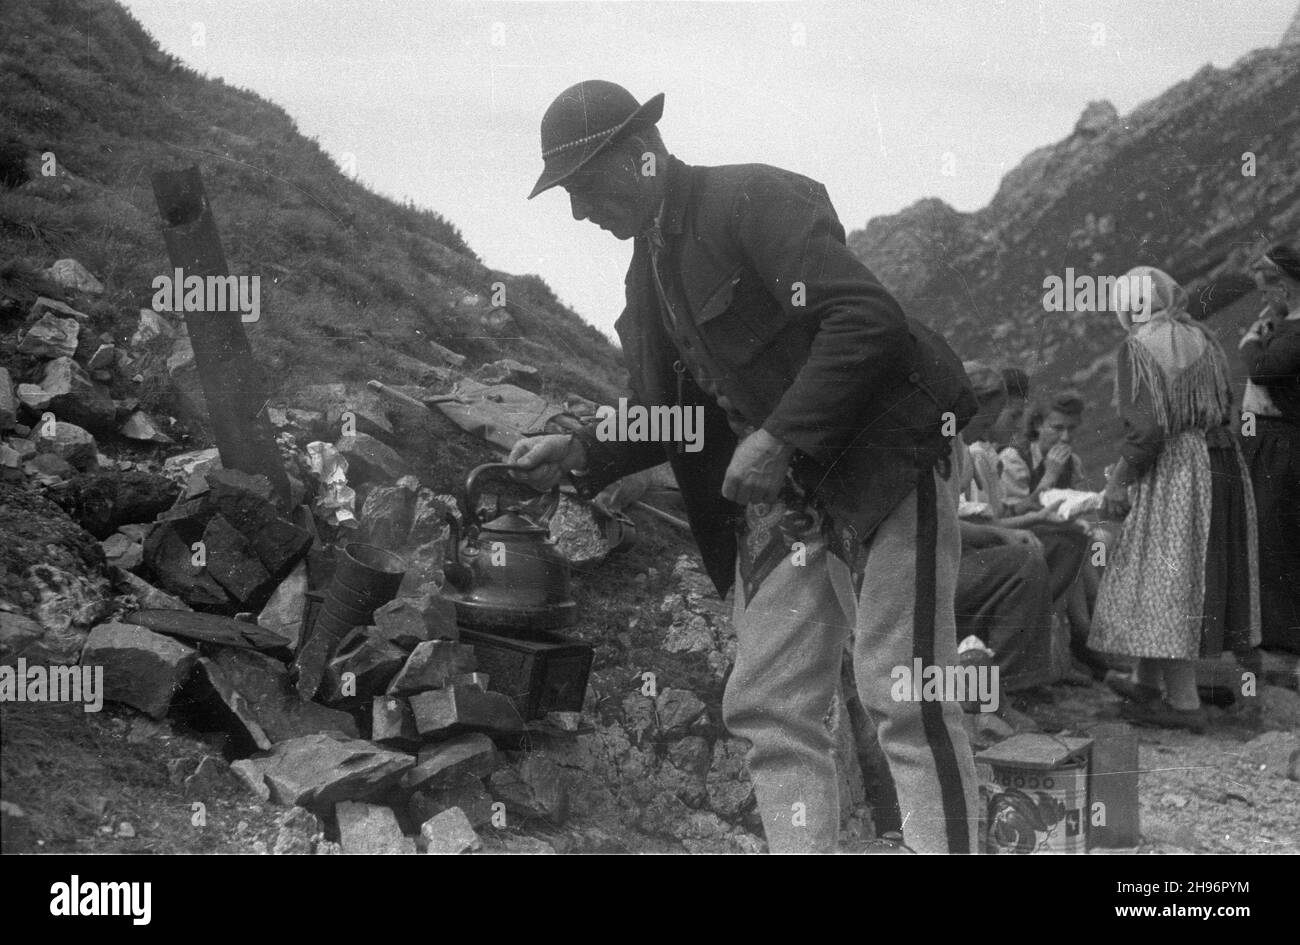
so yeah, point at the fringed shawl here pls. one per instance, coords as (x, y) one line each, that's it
(1185, 394)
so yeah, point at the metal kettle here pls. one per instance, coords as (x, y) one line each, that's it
(506, 574)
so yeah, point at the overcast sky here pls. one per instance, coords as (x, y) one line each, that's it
(441, 101)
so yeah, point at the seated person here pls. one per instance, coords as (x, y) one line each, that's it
(1048, 462)
(1008, 431)
(1003, 595)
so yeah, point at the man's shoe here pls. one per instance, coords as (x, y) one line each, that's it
(1160, 714)
(1130, 689)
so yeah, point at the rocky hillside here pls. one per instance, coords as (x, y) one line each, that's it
(1162, 186)
(353, 284)
(353, 287)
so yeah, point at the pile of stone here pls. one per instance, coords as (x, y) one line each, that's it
(69, 387)
(401, 750)
(188, 583)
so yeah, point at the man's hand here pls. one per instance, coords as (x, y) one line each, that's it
(1257, 332)
(1053, 463)
(1115, 502)
(542, 460)
(620, 494)
(757, 469)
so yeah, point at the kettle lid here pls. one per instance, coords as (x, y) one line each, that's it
(513, 522)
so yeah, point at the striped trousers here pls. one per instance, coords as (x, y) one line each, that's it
(790, 640)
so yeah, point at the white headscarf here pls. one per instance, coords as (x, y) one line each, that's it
(1152, 307)
(1163, 344)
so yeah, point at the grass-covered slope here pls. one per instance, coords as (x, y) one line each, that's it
(351, 281)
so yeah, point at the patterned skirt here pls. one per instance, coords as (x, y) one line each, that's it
(1183, 581)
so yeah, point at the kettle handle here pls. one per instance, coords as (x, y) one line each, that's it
(455, 570)
(473, 487)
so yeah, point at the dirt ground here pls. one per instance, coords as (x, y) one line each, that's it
(1225, 791)
(109, 782)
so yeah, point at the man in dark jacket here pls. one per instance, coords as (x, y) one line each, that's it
(824, 487)
(1271, 354)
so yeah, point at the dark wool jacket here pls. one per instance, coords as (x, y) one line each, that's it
(1274, 363)
(800, 337)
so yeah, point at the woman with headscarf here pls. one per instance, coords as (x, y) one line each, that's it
(1183, 581)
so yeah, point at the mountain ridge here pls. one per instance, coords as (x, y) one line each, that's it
(1165, 185)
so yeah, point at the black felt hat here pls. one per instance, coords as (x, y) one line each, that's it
(583, 121)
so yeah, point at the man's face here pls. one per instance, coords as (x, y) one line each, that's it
(1057, 428)
(1009, 421)
(612, 193)
(1271, 281)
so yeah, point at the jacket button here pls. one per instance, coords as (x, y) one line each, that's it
(914, 377)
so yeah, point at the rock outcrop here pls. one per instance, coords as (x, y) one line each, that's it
(1194, 181)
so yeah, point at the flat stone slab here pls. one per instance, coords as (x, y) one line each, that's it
(212, 629)
(317, 770)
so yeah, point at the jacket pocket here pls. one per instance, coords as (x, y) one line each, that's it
(737, 320)
(719, 300)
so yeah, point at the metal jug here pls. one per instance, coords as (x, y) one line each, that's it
(506, 574)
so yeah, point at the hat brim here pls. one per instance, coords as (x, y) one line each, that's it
(566, 163)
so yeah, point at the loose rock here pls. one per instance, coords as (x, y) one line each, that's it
(252, 778)
(536, 789)
(409, 621)
(678, 709)
(71, 274)
(103, 502)
(386, 513)
(370, 829)
(318, 770)
(168, 553)
(432, 665)
(123, 551)
(51, 337)
(371, 461)
(77, 398)
(283, 613)
(140, 427)
(34, 396)
(298, 831)
(141, 668)
(151, 326)
(70, 443)
(464, 791)
(437, 765)
(371, 662)
(449, 833)
(234, 565)
(464, 708)
(391, 722)
(210, 777)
